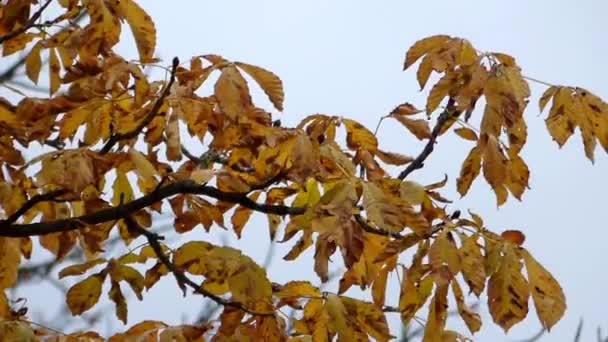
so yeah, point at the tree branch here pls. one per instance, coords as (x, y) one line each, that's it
(9, 229)
(115, 138)
(31, 203)
(180, 276)
(418, 163)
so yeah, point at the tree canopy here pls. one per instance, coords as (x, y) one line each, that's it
(109, 157)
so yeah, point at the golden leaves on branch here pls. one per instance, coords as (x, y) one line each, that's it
(573, 108)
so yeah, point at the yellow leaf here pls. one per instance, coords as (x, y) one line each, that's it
(117, 297)
(518, 134)
(33, 63)
(470, 170)
(412, 192)
(418, 127)
(394, 158)
(338, 317)
(359, 137)
(17, 43)
(423, 47)
(54, 68)
(10, 258)
(466, 133)
(333, 154)
(443, 251)
(135, 280)
(202, 176)
(495, 166)
(144, 168)
(435, 323)
(439, 91)
(17, 331)
(241, 215)
(294, 290)
(473, 270)
(369, 318)
(98, 123)
(548, 296)
(121, 190)
(232, 93)
(424, 70)
(7, 115)
(154, 274)
(142, 27)
(72, 120)
(84, 294)
(414, 292)
(5, 309)
(547, 96)
(174, 147)
(472, 319)
(379, 208)
(270, 83)
(508, 292)
(80, 269)
(491, 122)
(505, 59)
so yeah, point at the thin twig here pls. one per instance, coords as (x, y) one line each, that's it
(418, 163)
(115, 138)
(179, 275)
(29, 24)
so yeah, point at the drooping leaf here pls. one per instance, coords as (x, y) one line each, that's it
(472, 264)
(548, 295)
(142, 27)
(472, 319)
(270, 83)
(508, 292)
(84, 294)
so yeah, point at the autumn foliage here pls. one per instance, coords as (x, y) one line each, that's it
(108, 156)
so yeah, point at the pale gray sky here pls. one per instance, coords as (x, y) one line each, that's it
(345, 58)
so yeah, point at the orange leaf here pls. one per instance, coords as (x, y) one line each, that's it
(514, 236)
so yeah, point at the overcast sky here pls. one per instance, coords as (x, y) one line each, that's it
(345, 58)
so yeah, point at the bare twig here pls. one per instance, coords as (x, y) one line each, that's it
(116, 137)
